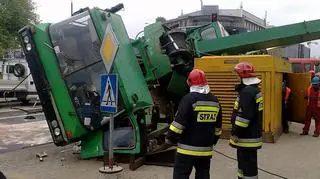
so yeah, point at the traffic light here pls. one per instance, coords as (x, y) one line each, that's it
(214, 17)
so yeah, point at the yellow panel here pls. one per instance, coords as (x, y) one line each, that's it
(274, 116)
(260, 62)
(298, 83)
(108, 48)
(222, 80)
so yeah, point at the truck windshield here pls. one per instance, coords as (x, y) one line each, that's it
(77, 48)
(76, 45)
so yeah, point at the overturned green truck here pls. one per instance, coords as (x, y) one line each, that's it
(67, 58)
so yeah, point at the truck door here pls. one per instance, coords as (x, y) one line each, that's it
(298, 83)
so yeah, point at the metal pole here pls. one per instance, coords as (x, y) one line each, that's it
(71, 7)
(111, 142)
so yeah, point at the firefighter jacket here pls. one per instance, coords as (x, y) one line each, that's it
(197, 124)
(247, 118)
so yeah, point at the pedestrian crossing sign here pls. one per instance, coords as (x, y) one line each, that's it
(109, 93)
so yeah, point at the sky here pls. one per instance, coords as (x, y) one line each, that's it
(138, 13)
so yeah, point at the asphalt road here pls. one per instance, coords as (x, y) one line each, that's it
(17, 131)
(293, 156)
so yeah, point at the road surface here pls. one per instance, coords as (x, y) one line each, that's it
(293, 156)
(17, 131)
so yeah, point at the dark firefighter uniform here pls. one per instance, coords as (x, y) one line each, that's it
(286, 92)
(247, 129)
(196, 128)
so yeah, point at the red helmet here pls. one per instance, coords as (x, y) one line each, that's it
(245, 70)
(197, 78)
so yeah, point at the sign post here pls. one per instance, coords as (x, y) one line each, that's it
(109, 103)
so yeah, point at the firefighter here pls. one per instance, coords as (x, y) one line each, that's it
(286, 92)
(313, 105)
(196, 128)
(247, 121)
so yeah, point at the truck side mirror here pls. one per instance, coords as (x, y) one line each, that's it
(19, 70)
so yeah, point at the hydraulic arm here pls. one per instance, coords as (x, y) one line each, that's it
(250, 41)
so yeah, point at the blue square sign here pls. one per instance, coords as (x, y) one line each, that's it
(109, 93)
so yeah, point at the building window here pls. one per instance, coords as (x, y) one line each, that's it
(10, 69)
(195, 22)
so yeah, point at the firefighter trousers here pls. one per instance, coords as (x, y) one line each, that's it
(184, 164)
(247, 163)
(312, 112)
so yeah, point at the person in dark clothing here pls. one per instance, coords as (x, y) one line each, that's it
(247, 121)
(286, 93)
(196, 128)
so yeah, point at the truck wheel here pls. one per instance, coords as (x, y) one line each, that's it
(19, 70)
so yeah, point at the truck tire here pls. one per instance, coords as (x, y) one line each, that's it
(19, 70)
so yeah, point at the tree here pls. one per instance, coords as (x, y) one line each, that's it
(14, 14)
(161, 19)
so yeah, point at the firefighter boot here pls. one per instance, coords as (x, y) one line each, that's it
(304, 133)
(316, 134)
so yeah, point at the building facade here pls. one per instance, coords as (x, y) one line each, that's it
(236, 21)
(233, 20)
(292, 51)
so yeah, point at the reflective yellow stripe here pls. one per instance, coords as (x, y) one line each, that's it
(236, 105)
(241, 124)
(258, 100)
(194, 153)
(206, 108)
(205, 103)
(246, 144)
(174, 129)
(218, 132)
(241, 119)
(240, 174)
(260, 106)
(178, 125)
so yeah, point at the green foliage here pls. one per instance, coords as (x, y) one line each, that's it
(161, 19)
(14, 14)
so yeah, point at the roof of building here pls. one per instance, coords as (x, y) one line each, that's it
(208, 10)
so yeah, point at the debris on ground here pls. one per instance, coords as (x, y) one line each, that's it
(41, 156)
